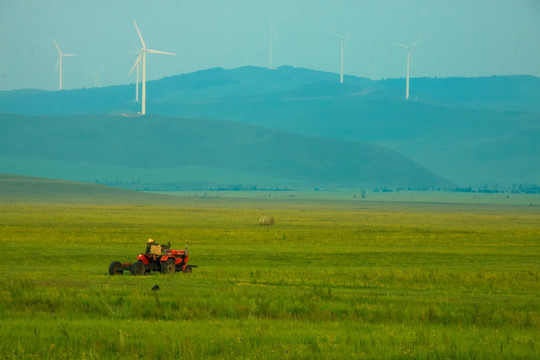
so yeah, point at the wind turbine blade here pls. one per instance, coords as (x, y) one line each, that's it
(272, 32)
(417, 41)
(136, 63)
(341, 36)
(138, 32)
(57, 47)
(95, 73)
(159, 52)
(70, 54)
(401, 45)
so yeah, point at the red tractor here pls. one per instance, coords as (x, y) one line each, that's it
(157, 258)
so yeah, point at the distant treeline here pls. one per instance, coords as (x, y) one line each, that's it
(136, 184)
(485, 189)
(514, 189)
(195, 186)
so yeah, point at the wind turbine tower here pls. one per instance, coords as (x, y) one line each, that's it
(342, 53)
(145, 50)
(137, 66)
(59, 66)
(97, 82)
(520, 39)
(409, 54)
(272, 33)
(374, 50)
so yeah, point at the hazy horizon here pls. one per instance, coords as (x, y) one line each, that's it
(458, 38)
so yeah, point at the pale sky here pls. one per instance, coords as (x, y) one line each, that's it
(458, 37)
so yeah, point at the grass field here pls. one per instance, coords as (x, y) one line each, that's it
(335, 278)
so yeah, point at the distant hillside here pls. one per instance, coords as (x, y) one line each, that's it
(515, 93)
(466, 146)
(16, 188)
(469, 130)
(145, 151)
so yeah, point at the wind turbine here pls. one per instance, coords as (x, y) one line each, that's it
(97, 82)
(342, 53)
(272, 33)
(409, 54)
(137, 65)
(144, 50)
(519, 55)
(59, 66)
(374, 50)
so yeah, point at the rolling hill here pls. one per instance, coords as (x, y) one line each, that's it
(16, 188)
(468, 130)
(215, 86)
(163, 152)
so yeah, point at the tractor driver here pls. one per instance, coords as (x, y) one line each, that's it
(149, 245)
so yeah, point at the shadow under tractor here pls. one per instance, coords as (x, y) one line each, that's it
(158, 258)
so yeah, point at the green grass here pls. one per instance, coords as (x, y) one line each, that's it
(335, 277)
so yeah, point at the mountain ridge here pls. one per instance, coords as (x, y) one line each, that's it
(447, 126)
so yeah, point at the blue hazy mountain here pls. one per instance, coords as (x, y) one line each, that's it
(514, 93)
(468, 130)
(167, 153)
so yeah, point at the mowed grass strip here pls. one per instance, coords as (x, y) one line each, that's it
(329, 280)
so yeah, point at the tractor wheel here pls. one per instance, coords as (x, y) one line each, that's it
(168, 266)
(188, 270)
(138, 268)
(115, 268)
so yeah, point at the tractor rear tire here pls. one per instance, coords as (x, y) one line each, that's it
(168, 267)
(115, 268)
(138, 268)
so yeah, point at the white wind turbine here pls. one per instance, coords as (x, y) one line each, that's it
(137, 66)
(272, 33)
(409, 54)
(144, 50)
(342, 53)
(519, 55)
(97, 82)
(374, 50)
(59, 66)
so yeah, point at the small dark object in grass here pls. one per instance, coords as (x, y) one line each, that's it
(156, 287)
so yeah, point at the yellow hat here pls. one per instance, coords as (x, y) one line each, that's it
(150, 241)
